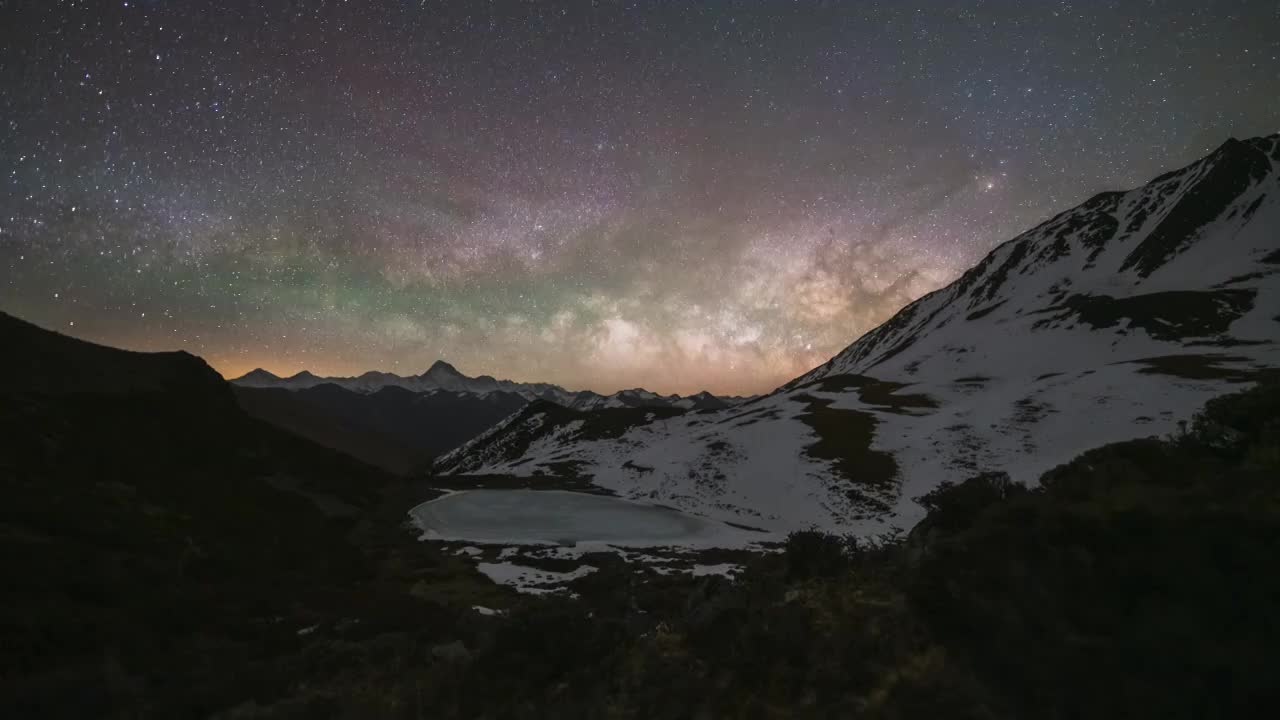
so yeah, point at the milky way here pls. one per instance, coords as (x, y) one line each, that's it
(663, 194)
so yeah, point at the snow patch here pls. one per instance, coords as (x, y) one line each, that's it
(533, 581)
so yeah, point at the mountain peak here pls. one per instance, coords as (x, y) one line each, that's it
(444, 377)
(258, 374)
(441, 367)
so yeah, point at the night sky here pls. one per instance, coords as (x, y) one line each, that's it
(673, 195)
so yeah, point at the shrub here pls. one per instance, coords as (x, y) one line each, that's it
(954, 506)
(815, 554)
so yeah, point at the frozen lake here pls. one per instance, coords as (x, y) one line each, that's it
(557, 516)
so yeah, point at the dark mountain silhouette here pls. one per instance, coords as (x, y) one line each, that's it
(148, 522)
(393, 428)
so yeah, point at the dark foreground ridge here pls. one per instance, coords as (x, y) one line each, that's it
(166, 555)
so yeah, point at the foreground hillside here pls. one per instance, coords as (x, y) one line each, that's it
(1114, 320)
(160, 548)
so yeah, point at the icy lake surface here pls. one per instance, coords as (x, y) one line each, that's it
(557, 516)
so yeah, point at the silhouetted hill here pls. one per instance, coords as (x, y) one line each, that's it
(144, 516)
(41, 361)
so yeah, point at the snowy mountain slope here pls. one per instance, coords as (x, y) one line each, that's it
(1116, 319)
(1176, 261)
(442, 376)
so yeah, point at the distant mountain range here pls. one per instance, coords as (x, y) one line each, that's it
(402, 423)
(1113, 320)
(442, 376)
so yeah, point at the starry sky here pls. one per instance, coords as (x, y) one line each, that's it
(672, 195)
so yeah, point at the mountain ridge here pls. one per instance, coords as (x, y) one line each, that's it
(51, 363)
(442, 375)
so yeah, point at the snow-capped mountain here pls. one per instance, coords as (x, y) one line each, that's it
(1114, 320)
(442, 376)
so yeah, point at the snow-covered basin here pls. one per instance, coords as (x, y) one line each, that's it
(562, 517)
